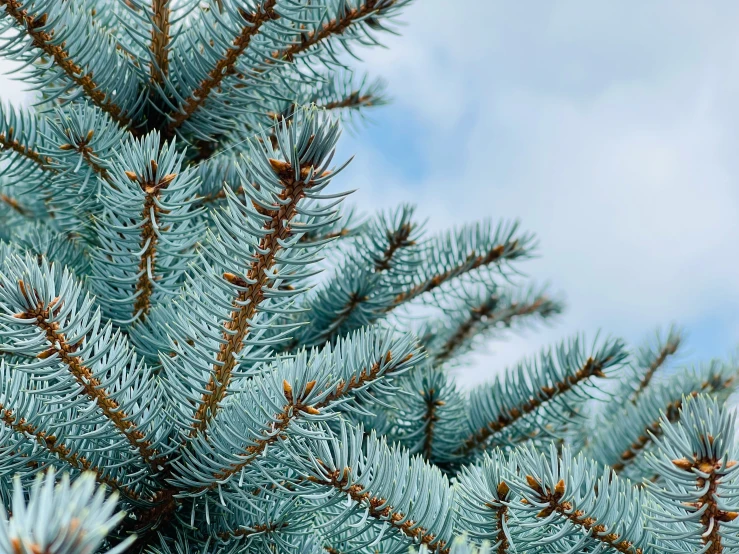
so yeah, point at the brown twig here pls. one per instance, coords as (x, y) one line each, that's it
(159, 40)
(251, 289)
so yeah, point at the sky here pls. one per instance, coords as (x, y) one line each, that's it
(609, 129)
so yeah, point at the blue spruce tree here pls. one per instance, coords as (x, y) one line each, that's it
(202, 350)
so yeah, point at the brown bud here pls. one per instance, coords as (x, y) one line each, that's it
(729, 516)
(234, 279)
(682, 463)
(66, 146)
(154, 166)
(628, 455)
(131, 175)
(311, 410)
(167, 179)
(90, 133)
(279, 166)
(46, 354)
(288, 390)
(503, 489)
(533, 483)
(309, 387)
(560, 487)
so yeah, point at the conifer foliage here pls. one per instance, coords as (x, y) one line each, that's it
(203, 350)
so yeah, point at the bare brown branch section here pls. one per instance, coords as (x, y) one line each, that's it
(160, 40)
(149, 238)
(713, 516)
(90, 385)
(591, 368)
(588, 524)
(43, 41)
(251, 294)
(667, 350)
(224, 66)
(379, 509)
(486, 310)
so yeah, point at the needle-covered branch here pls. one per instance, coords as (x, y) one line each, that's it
(85, 59)
(538, 396)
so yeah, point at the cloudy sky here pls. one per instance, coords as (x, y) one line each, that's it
(609, 129)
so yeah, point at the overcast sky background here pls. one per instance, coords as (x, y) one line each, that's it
(610, 129)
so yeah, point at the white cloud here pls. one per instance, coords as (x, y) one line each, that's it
(608, 131)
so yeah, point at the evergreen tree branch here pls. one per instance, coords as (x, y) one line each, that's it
(91, 386)
(473, 261)
(590, 525)
(225, 65)
(45, 42)
(594, 508)
(623, 438)
(494, 312)
(656, 359)
(61, 451)
(252, 288)
(697, 463)
(670, 413)
(304, 390)
(8, 142)
(60, 518)
(152, 183)
(336, 26)
(405, 495)
(380, 509)
(536, 386)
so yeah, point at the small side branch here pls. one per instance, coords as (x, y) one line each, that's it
(44, 41)
(379, 509)
(578, 518)
(60, 450)
(90, 385)
(224, 66)
(591, 368)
